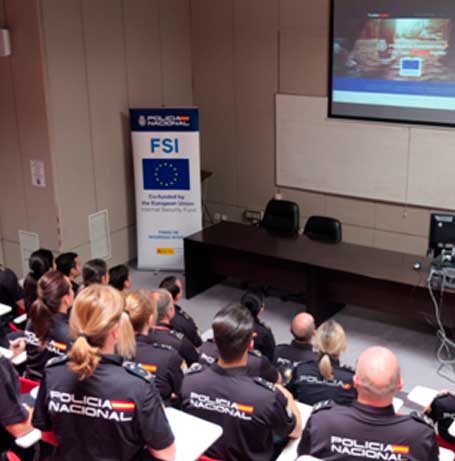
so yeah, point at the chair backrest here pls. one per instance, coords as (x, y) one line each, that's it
(281, 216)
(323, 229)
(27, 385)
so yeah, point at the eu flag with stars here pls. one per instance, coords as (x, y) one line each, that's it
(164, 174)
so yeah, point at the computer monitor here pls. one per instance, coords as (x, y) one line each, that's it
(442, 233)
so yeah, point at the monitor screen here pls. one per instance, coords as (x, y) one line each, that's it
(393, 60)
(442, 233)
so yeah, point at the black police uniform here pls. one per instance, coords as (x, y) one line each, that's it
(163, 362)
(360, 432)
(248, 409)
(310, 387)
(264, 340)
(58, 344)
(287, 356)
(12, 411)
(75, 287)
(184, 323)
(257, 365)
(163, 333)
(10, 290)
(443, 414)
(111, 415)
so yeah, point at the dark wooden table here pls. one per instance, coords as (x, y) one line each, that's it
(329, 275)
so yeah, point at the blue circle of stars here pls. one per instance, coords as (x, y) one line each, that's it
(166, 174)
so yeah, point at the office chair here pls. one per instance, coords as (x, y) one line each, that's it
(281, 217)
(323, 229)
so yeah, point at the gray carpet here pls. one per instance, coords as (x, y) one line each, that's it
(415, 346)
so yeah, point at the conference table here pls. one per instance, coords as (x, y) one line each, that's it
(328, 276)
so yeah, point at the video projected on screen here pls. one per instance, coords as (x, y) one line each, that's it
(394, 60)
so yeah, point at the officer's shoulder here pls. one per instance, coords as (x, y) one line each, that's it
(255, 353)
(324, 405)
(162, 346)
(177, 334)
(136, 370)
(264, 383)
(422, 419)
(185, 315)
(347, 368)
(59, 360)
(194, 369)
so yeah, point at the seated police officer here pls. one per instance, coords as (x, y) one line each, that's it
(95, 271)
(287, 356)
(98, 406)
(369, 428)
(163, 333)
(181, 321)
(162, 361)
(257, 364)
(442, 412)
(325, 378)
(250, 410)
(15, 418)
(120, 277)
(70, 265)
(47, 331)
(11, 293)
(264, 341)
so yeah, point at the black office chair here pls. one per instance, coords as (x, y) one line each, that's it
(281, 217)
(323, 229)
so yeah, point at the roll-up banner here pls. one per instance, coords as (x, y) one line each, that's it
(168, 183)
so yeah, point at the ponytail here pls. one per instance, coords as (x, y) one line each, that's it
(126, 345)
(40, 316)
(97, 310)
(325, 367)
(84, 358)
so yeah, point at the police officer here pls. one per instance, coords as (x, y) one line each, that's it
(182, 321)
(264, 340)
(442, 412)
(325, 379)
(15, 418)
(369, 428)
(47, 331)
(287, 356)
(163, 333)
(249, 409)
(97, 405)
(257, 364)
(162, 361)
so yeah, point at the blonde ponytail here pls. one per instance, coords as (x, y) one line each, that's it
(325, 368)
(331, 342)
(97, 310)
(126, 346)
(83, 358)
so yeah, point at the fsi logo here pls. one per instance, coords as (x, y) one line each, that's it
(165, 145)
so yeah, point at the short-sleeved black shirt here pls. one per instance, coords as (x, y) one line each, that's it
(443, 414)
(288, 356)
(11, 409)
(258, 364)
(249, 410)
(264, 341)
(10, 290)
(184, 323)
(309, 386)
(163, 333)
(163, 362)
(58, 344)
(360, 432)
(111, 415)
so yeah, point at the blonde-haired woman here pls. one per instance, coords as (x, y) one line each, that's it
(97, 405)
(325, 378)
(161, 360)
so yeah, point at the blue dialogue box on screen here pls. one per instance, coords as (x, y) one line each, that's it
(166, 174)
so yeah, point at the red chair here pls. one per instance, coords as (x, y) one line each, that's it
(27, 385)
(206, 458)
(13, 327)
(444, 444)
(10, 456)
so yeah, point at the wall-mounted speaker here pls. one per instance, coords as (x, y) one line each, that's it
(5, 43)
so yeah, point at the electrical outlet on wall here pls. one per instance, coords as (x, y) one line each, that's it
(217, 217)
